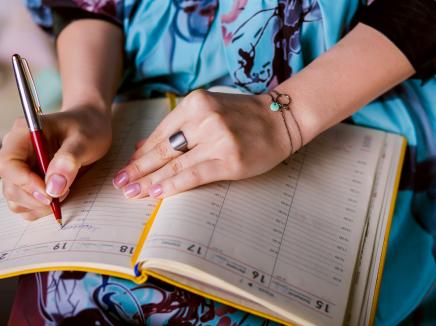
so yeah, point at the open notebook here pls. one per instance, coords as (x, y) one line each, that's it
(302, 244)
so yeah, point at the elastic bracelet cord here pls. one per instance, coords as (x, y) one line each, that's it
(284, 105)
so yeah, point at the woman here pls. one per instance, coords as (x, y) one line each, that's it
(256, 46)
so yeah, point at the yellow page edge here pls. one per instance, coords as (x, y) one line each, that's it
(172, 102)
(388, 230)
(73, 268)
(144, 234)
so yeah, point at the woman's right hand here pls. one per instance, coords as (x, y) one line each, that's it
(77, 137)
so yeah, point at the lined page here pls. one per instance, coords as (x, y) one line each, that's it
(290, 236)
(101, 227)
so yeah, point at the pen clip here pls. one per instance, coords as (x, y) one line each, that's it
(34, 94)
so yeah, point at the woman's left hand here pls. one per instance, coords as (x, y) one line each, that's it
(230, 137)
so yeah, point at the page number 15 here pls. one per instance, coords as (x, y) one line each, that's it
(320, 305)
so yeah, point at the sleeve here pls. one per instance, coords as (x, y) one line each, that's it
(411, 26)
(54, 15)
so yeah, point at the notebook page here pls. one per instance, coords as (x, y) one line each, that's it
(376, 219)
(101, 227)
(290, 236)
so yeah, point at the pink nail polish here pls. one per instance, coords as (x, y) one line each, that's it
(41, 198)
(132, 190)
(56, 185)
(121, 179)
(155, 190)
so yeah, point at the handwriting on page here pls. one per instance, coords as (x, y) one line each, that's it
(97, 218)
(286, 233)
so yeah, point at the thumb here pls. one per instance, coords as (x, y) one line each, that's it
(63, 168)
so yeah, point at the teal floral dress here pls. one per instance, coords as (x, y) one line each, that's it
(180, 45)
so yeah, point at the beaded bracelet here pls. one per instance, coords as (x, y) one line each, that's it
(282, 106)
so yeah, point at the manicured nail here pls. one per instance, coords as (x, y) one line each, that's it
(132, 190)
(41, 198)
(121, 179)
(155, 190)
(56, 185)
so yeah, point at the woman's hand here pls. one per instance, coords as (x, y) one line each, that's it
(230, 137)
(78, 137)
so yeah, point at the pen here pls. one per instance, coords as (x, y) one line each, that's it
(33, 115)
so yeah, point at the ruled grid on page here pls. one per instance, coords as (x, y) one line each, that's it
(100, 225)
(291, 235)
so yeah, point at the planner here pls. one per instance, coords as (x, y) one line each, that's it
(303, 244)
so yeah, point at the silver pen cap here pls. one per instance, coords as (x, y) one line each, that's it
(27, 91)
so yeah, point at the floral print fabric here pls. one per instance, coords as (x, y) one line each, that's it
(180, 45)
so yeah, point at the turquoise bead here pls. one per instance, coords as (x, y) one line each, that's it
(275, 106)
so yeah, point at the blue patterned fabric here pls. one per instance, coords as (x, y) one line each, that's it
(177, 45)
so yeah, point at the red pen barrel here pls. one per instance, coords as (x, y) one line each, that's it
(40, 146)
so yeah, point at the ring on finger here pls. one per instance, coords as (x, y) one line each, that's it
(179, 142)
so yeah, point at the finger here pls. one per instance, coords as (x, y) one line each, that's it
(65, 165)
(172, 123)
(28, 214)
(139, 188)
(34, 215)
(13, 193)
(197, 175)
(14, 156)
(149, 162)
(17, 208)
(16, 144)
(18, 173)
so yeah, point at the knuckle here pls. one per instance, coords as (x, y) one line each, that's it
(198, 101)
(195, 176)
(162, 151)
(176, 166)
(198, 95)
(14, 207)
(136, 168)
(29, 216)
(25, 179)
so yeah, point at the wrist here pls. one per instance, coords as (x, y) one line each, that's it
(302, 111)
(281, 127)
(91, 103)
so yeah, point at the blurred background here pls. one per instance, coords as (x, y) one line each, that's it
(18, 34)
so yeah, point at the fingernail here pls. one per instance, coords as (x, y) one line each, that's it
(121, 179)
(41, 198)
(132, 190)
(56, 185)
(155, 190)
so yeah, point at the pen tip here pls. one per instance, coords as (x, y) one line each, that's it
(60, 223)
